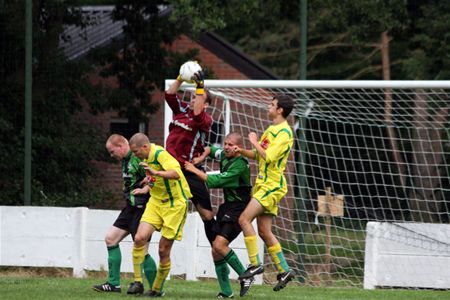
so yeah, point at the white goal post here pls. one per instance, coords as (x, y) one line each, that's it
(365, 151)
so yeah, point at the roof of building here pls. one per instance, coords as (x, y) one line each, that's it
(101, 30)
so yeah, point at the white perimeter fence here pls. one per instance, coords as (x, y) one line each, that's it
(407, 255)
(74, 238)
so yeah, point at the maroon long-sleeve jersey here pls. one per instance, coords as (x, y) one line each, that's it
(187, 132)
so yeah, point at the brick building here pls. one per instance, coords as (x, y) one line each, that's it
(225, 61)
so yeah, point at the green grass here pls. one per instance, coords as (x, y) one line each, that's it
(36, 288)
(347, 254)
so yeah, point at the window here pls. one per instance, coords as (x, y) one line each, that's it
(125, 127)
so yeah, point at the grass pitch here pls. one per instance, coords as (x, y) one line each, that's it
(42, 286)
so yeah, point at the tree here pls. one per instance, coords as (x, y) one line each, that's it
(386, 39)
(61, 145)
(143, 59)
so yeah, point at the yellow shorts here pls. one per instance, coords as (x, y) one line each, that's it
(169, 220)
(269, 196)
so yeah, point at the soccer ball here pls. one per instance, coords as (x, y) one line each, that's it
(188, 69)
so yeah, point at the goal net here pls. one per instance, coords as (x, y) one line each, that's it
(363, 151)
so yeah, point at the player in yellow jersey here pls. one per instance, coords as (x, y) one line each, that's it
(166, 210)
(272, 151)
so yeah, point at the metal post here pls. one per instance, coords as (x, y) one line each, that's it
(28, 101)
(303, 38)
(300, 147)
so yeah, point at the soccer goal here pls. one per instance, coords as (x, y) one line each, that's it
(365, 151)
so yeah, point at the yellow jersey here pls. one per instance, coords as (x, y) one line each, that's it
(163, 189)
(277, 141)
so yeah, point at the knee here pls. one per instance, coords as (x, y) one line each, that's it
(109, 241)
(243, 220)
(214, 253)
(206, 215)
(217, 247)
(163, 252)
(140, 240)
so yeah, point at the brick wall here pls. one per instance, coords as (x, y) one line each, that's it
(110, 179)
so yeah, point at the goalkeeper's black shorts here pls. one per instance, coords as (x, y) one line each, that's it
(199, 190)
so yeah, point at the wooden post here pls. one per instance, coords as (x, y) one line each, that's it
(329, 206)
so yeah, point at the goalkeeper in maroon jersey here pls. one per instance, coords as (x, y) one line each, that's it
(234, 178)
(127, 222)
(187, 135)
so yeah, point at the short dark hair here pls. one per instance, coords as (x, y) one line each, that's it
(285, 102)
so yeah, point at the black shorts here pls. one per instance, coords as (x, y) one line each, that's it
(227, 224)
(129, 219)
(199, 190)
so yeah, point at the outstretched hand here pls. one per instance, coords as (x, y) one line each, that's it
(199, 78)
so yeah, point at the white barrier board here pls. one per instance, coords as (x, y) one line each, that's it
(409, 255)
(74, 238)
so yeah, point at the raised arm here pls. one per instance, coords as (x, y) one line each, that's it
(247, 153)
(175, 86)
(200, 95)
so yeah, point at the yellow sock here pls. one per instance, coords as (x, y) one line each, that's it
(252, 249)
(278, 258)
(138, 259)
(161, 275)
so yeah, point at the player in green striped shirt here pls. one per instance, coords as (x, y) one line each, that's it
(136, 197)
(234, 178)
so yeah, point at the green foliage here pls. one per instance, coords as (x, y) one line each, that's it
(344, 38)
(144, 59)
(210, 15)
(429, 46)
(62, 146)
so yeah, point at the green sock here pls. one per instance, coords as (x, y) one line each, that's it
(149, 267)
(278, 258)
(222, 272)
(114, 261)
(232, 259)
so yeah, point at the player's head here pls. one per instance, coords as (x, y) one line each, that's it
(140, 145)
(208, 100)
(282, 104)
(231, 140)
(117, 146)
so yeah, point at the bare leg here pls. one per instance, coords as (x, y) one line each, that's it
(252, 210)
(265, 229)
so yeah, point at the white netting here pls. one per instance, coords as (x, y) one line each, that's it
(383, 147)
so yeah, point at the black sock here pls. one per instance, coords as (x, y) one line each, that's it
(210, 234)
